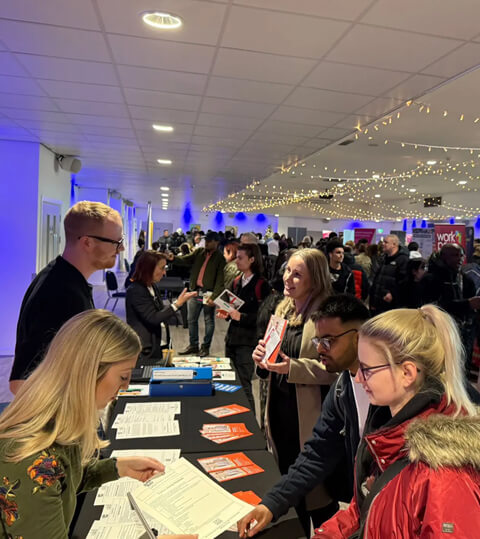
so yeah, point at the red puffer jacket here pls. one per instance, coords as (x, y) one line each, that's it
(436, 495)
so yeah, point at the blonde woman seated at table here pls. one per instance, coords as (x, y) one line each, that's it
(48, 434)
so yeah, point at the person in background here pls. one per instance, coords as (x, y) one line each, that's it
(94, 237)
(206, 276)
(248, 237)
(413, 251)
(230, 271)
(340, 274)
(241, 335)
(48, 434)
(165, 241)
(298, 382)
(185, 248)
(144, 306)
(198, 240)
(282, 243)
(418, 475)
(273, 245)
(362, 286)
(410, 289)
(373, 254)
(391, 272)
(362, 258)
(155, 246)
(329, 454)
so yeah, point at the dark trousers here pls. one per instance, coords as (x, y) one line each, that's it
(195, 307)
(241, 357)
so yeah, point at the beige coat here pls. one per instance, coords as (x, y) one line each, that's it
(308, 375)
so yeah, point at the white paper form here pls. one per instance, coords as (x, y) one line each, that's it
(165, 456)
(173, 407)
(122, 513)
(147, 430)
(124, 419)
(116, 491)
(109, 530)
(186, 501)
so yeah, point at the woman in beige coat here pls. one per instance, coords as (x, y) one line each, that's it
(298, 382)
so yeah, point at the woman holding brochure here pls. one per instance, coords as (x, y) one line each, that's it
(241, 336)
(48, 434)
(298, 381)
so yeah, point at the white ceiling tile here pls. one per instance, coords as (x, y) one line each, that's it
(463, 58)
(46, 67)
(237, 108)
(160, 116)
(355, 79)
(306, 116)
(289, 140)
(92, 107)
(450, 19)
(222, 120)
(45, 125)
(105, 131)
(314, 98)
(290, 128)
(207, 131)
(202, 21)
(259, 30)
(261, 66)
(162, 80)
(161, 54)
(146, 137)
(380, 106)
(20, 85)
(162, 99)
(246, 90)
(58, 12)
(340, 9)
(81, 91)
(334, 133)
(414, 86)
(35, 115)
(353, 120)
(390, 49)
(10, 66)
(53, 41)
(117, 141)
(216, 141)
(316, 144)
(106, 121)
(27, 102)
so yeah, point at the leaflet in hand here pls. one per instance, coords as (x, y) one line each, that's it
(273, 338)
(186, 501)
(225, 411)
(227, 301)
(221, 433)
(227, 467)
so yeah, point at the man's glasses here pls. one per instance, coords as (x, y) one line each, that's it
(118, 243)
(326, 342)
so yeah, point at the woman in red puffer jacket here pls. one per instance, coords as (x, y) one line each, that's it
(411, 361)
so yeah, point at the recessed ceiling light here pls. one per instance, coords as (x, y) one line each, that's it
(376, 176)
(413, 190)
(164, 194)
(164, 128)
(350, 200)
(164, 188)
(431, 162)
(277, 215)
(162, 21)
(462, 182)
(377, 195)
(164, 161)
(314, 191)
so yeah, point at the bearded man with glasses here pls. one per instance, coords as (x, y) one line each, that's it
(93, 238)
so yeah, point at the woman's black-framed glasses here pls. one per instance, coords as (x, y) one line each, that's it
(368, 371)
(118, 243)
(326, 342)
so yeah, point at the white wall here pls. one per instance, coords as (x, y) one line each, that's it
(53, 186)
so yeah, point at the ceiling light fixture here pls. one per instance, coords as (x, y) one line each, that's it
(164, 128)
(431, 162)
(350, 200)
(164, 194)
(162, 21)
(412, 190)
(276, 215)
(462, 182)
(378, 196)
(164, 188)
(164, 161)
(314, 191)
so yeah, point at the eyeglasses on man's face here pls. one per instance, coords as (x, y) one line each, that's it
(117, 243)
(326, 342)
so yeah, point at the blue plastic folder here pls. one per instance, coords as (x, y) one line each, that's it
(181, 382)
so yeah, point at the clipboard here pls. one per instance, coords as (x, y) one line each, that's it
(150, 533)
(273, 338)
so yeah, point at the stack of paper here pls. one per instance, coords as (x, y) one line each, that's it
(225, 411)
(118, 519)
(224, 432)
(217, 363)
(186, 501)
(134, 390)
(223, 375)
(227, 467)
(147, 420)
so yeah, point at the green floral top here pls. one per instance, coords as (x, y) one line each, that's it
(38, 494)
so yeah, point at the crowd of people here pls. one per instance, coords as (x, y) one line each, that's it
(368, 403)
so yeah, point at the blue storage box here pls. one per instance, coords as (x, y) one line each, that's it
(181, 382)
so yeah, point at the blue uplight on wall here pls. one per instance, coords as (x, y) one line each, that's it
(72, 190)
(477, 223)
(452, 220)
(219, 219)
(424, 223)
(414, 223)
(404, 227)
(355, 224)
(187, 216)
(260, 218)
(240, 217)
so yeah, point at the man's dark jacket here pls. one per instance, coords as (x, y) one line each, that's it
(391, 272)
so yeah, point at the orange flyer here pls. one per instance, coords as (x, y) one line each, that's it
(248, 496)
(225, 462)
(225, 411)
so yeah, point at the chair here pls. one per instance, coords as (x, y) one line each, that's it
(112, 289)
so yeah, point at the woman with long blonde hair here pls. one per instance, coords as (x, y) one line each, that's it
(418, 474)
(298, 381)
(48, 434)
